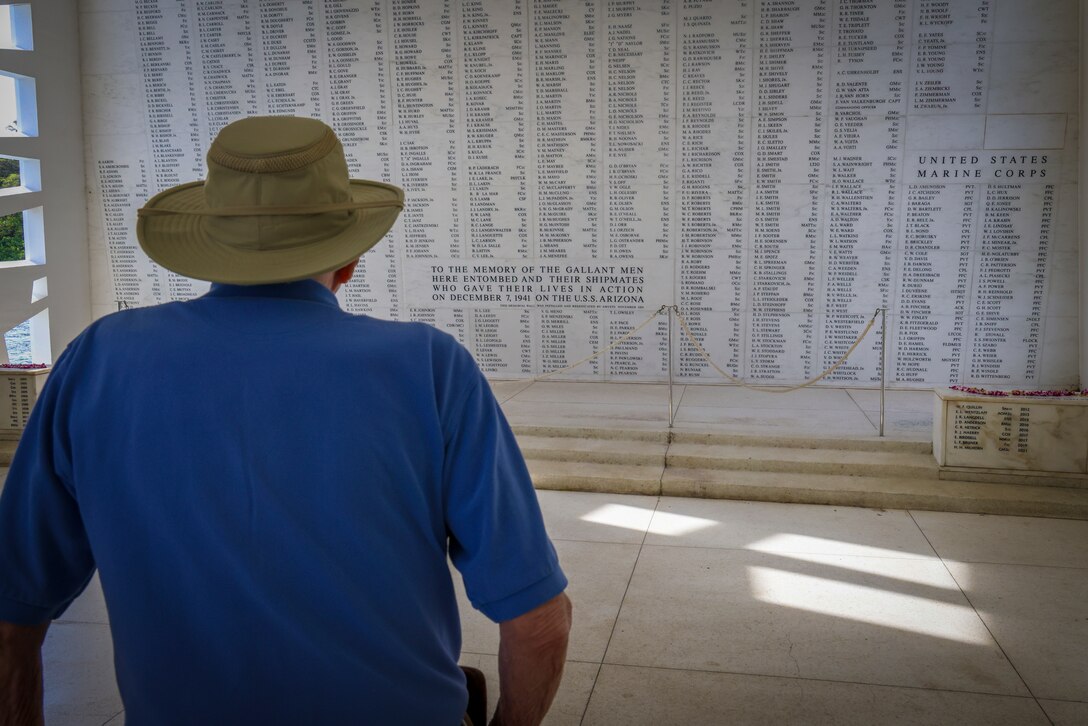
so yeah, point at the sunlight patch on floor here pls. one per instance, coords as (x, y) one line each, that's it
(792, 542)
(866, 604)
(636, 518)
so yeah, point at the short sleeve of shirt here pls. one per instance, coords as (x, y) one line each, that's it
(45, 559)
(497, 536)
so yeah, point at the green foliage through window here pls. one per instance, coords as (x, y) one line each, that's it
(11, 226)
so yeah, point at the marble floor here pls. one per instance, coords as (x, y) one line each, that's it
(721, 612)
(825, 412)
(693, 611)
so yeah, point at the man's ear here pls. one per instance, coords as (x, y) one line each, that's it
(341, 276)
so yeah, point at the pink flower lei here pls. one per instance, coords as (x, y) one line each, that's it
(1016, 392)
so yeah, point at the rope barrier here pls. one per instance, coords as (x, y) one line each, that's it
(706, 356)
(776, 389)
(602, 351)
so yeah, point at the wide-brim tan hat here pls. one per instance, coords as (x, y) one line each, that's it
(277, 206)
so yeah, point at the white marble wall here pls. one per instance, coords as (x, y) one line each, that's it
(778, 171)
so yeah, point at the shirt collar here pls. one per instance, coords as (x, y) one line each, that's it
(309, 290)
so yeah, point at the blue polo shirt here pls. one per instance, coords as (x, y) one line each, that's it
(269, 488)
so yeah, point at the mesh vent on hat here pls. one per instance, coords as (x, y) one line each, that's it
(277, 163)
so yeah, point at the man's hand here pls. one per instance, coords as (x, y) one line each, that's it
(532, 650)
(21, 674)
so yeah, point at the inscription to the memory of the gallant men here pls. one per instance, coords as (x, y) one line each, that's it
(778, 169)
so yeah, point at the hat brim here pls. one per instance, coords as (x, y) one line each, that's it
(180, 243)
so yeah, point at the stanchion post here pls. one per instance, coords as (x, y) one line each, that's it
(669, 311)
(883, 362)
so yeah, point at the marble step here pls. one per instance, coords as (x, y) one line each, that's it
(847, 462)
(1011, 476)
(867, 443)
(717, 456)
(581, 476)
(690, 436)
(7, 451)
(805, 488)
(878, 492)
(593, 450)
(592, 432)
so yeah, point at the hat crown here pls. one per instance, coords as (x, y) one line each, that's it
(269, 144)
(272, 162)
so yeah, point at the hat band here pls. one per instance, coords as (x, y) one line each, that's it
(282, 211)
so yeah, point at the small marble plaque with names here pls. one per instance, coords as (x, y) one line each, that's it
(1011, 432)
(19, 391)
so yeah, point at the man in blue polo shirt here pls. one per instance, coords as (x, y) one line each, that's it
(268, 486)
